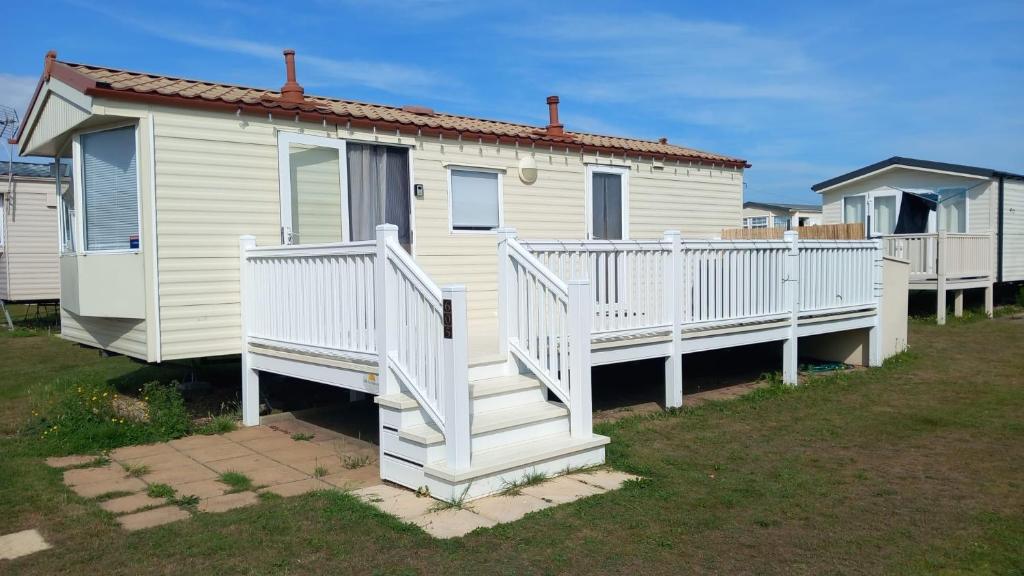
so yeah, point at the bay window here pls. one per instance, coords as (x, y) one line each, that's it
(109, 189)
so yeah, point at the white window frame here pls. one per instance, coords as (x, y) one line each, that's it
(501, 196)
(284, 141)
(871, 206)
(748, 222)
(78, 181)
(622, 171)
(967, 206)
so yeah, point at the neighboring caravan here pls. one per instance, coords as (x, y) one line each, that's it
(960, 227)
(776, 215)
(28, 232)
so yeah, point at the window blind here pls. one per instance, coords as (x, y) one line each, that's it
(110, 189)
(474, 200)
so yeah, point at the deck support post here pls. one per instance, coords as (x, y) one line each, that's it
(504, 276)
(674, 362)
(940, 279)
(875, 332)
(958, 303)
(457, 434)
(790, 366)
(250, 377)
(384, 320)
(580, 319)
(989, 300)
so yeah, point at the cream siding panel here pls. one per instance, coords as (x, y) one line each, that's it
(216, 179)
(1013, 230)
(697, 201)
(122, 336)
(31, 250)
(4, 290)
(832, 207)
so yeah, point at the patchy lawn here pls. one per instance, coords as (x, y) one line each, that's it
(917, 467)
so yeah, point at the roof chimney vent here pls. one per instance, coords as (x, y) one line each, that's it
(291, 91)
(662, 140)
(554, 128)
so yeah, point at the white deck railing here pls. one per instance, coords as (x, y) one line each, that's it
(366, 301)
(837, 274)
(545, 323)
(954, 255)
(314, 296)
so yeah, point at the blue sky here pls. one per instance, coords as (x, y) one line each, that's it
(802, 90)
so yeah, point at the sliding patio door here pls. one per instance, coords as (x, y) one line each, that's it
(333, 190)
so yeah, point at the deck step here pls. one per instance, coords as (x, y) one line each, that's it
(481, 388)
(488, 462)
(491, 421)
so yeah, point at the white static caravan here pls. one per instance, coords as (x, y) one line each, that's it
(28, 232)
(960, 227)
(372, 248)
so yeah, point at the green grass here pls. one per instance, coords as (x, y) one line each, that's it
(913, 468)
(350, 462)
(160, 491)
(303, 436)
(531, 478)
(220, 424)
(237, 481)
(136, 470)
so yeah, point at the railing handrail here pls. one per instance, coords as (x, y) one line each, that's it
(365, 247)
(412, 271)
(520, 253)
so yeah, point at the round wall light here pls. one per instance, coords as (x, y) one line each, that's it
(528, 169)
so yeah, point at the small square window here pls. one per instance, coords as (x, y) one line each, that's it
(475, 203)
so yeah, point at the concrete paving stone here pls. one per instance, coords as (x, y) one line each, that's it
(107, 473)
(299, 452)
(451, 523)
(198, 441)
(161, 461)
(508, 508)
(404, 504)
(228, 502)
(241, 463)
(129, 452)
(191, 472)
(66, 461)
(562, 490)
(18, 544)
(356, 478)
(274, 474)
(271, 443)
(296, 488)
(124, 484)
(200, 489)
(151, 518)
(250, 433)
(605, 479)
(131, 503)
(221, 452)
(332, 464)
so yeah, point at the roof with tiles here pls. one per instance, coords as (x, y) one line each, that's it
(110, 82)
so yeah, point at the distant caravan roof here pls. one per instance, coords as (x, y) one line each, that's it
(32, 169)
(783, 206)
(914, 163)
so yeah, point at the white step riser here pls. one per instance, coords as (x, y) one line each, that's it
(492, 370)
(414, 477)
(406, 418)
(393, 443)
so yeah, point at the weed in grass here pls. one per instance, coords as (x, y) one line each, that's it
(136, 470)
(353, 462)
(237, 481)
(515, 488)
(457, 503)
(160, 491)
(218, 425)
(190, 501)
(269, 496)
(303, 436)
(320, 472)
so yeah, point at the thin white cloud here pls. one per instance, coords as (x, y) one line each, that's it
(380, 75)
(16, 91)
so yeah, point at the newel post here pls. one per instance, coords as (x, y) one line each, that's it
(581, 317)
(457, 434)
(504, 291)
(940, 278)
(250, 377)
(384, 320)
(790, 365)
(878, 281)
(670, 293)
